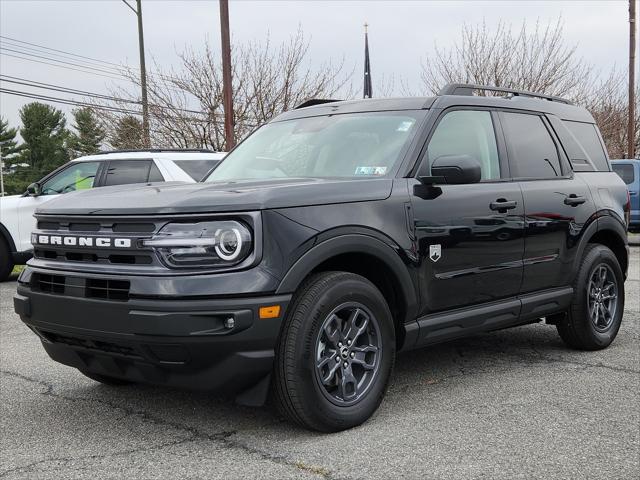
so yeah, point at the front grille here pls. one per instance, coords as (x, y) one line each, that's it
(107, 347)
(49, 283)
(134, 230)
(107, 289)
(102, 226)
(84, 257)
(99, 288)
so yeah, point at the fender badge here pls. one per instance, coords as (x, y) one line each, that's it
(435, 252)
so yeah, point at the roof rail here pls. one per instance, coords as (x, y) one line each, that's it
(157, 150)
(468, 89)
(315, 101)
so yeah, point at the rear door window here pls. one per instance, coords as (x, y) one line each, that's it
(587, 135)
(625, 171)
(532, 151)
(122, 172)
(197, 169)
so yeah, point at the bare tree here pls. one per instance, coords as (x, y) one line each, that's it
(537, 60)
(531, 59)
(608, 103)
(185, 104)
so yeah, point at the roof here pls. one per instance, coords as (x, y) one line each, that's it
(453, 94)
(364, 105)
(160, 154)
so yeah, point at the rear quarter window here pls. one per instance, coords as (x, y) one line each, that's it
(197, 169)
(625, 171)
(586, 134)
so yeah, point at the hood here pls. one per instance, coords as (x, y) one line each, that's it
(178, 197)
(9, 204)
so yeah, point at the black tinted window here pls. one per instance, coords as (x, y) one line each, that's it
(532, 151)
(122, 172)
(587, 136)
(196, 169)
(625, 171)
(154, 173)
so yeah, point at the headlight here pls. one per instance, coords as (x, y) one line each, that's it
(203, 244)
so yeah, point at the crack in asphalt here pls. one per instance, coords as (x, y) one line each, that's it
(223, 439)
(523, 358)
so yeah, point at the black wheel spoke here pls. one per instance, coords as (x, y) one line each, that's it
(348, 384)
(329, 377)
(355, 325)
(332, 330)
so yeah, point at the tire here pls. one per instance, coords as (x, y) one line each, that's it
(104, 379)
(586, 326)
(325, 309)
(6, 260)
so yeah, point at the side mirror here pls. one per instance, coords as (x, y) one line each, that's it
(456, 169)
(34, 190)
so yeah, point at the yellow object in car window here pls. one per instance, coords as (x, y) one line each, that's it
(83, 182)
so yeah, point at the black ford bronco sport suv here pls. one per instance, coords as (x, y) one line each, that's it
(334, 236)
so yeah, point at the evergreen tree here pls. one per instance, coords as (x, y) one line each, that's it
(89, 136)
(8, 144)
(128, 134)
(44, 134)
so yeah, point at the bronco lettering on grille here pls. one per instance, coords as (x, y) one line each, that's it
(73, 241)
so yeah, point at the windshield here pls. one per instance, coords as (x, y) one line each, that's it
(347, 145)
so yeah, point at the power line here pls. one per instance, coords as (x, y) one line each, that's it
(111, 72)
(108, 65)
(29, 50)
(66, 68)
(60, 88)
(59, 51)
(66, 101)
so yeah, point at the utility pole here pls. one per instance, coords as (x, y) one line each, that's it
(227, 94)
(631, 130)
(143, 74)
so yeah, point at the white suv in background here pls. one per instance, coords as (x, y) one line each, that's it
(100, 170)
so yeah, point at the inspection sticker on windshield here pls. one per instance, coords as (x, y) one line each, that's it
(371, 170)
(405, 126)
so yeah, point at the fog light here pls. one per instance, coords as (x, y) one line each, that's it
(229, 323)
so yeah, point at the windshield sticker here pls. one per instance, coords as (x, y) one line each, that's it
(371, 170)
(404, 126)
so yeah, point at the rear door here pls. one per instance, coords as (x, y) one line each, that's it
(557, 203)
(470, 248)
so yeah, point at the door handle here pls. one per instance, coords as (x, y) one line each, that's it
(574, 200)
(502, 205)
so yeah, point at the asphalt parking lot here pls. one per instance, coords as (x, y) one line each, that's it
(510, 404)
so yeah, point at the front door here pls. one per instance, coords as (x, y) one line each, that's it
(470, 237)
(75, 176)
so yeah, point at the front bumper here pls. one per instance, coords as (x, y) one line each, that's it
(173, 342)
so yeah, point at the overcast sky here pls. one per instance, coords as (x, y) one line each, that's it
(400, 34)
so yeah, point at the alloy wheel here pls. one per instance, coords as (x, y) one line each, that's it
(602, 291)
(348, 353)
